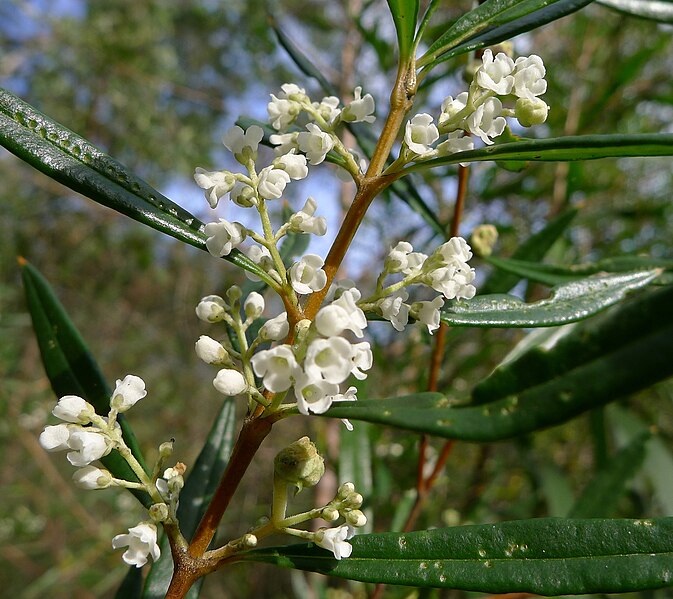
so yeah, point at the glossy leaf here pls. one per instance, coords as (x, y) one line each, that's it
(194, 497)
(570, 302)
(71, 160)
(355, 463)
(70, 367)
(495, 21)
(551, 556)
(572, 147)
(405, 13)
(601, 495)
(598, 362)
(656, 10)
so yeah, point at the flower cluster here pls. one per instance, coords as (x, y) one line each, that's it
(481, 110)
(88, 437)
(445, 270)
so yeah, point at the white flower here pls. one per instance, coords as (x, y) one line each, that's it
(332, 320)
(211, 351)
(127, 393)
(496, 74)
(531, 112)
(230, 382)
(335, 540)
(254, 305)
(72, 408)
(223, 237)
(260, 256)
(362, 359)
(315, 143)
(216, 184)
(453, 282)
(243, 195)
(529, 75)
(92, 478)
(419, 133)
(357, 321)
(277, 367)
(55, 437)
(304, 221)
(455, 251)
(141, 542)
(236, 140)
(394, 309)
(272, 182)
(427, 313)
(88, 446)
(276, 328)
(307, 275)
(486, 121)
(350, 395)
(328, 109)
(211, 308)
(286, 142)
(293, 164)
(330, 359)
(314, 395)
(396, 260)
(451, 107)
(360, 109)
(455, 142)
(282, 112)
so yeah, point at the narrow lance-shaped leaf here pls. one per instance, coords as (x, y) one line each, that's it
(553, 556)
(73, 161)
(70, 367)
(405, 13)
(569, 302)
(657, 10)
(199, 487)
(572, 147)
(624, 352)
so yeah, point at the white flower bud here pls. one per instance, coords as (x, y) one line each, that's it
(355, 518)
(531, 111)
(420, 132)
(254, 305)
(299, 464)
(230, 382)
(215, 183)
(249, 540)
(72, 408)
(243, 195)
(223, 237)
(272, 182)
(345, 490)
(127, 393)
(211, 308)
(234, 294)
(211, 351)
(330, 514)
(495, 74)
(304, 221)
(360, 109)
(88, 446)
(315, 143)
(92, 478)
(293, 164)
(483, 239)
(55, 437)
(276, 328)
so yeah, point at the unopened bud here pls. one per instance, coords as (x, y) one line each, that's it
(254, 305)
(483, 239)
(345, 490)
(330, 514)
(211, 308)
(166, 450)
(234, 293)
(230, 382)
(159, 512)
(300, 464)
(354, 500)
(355, 518)
(276, 328)
(211, 351)
(531, 112)
(249, 540)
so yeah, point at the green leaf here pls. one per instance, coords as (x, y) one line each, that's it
(132, 585)
(71, 160)
(551, 556)
(535, 248)
(599, 361)
(572, 147)
(569, 302)
(70, 367)
(495, 21)
(405, 13)
(355, 463)
(656, 10)
(195, 496)
(601, 495)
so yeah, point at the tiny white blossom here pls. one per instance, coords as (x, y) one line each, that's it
(307, 275)
(314, 395)
(272, 182)
(88, 446)
(455, 142)
(451, 107)
(285, 108)
(260, 256)
(453, 282)
(127, 393)
(211, 308)
(211, 351)
(304, 221)
(336, 540)
(362, 359)
(394, 309)
(243, 195)
(285, 142)
(495, 74)
(486, 121)
(360, 109)
(330, 359)
(236, 140)
(455, 251)
(230, 382)
(254, 305)
(216, 184)
(277, 367)
(141, 542)
(420, 133)
(92, 478)
(276, 328)
(72, 408)
(427, 313)
(223, 237)
(396, 260)
(293, 164)
(55, 437)
(328, 109)
(357, 319)
(315, 143)
(529, 75)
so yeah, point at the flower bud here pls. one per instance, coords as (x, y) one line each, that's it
(345, 490)
(354, 500)
(254, 305)
(72, 408)
(234, 293)
(91, 478)
(211, 351)
(355, 518)
(249, 540)
(211, 308)
(276, 328)
(127, 393)
(531, 112)
(159, 512)
(230, 382)
(166, 450)
(483, 239)
(300, 464)
(330, 514)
